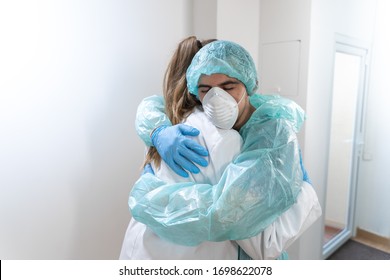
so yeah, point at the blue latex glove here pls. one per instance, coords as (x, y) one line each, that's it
(305, 175)
(148, 169)
(179, 151)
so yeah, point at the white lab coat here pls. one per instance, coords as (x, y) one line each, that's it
(223, 145)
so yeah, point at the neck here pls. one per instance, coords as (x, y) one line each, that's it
(245, 115)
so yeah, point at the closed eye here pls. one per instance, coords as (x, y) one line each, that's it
(204, 89)
(228, 88)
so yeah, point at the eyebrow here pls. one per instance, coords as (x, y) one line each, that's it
(229, 82)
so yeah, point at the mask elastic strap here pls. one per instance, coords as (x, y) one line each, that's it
(242, 97)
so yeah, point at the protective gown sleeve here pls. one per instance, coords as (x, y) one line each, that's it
(255, 189)
(150, 115)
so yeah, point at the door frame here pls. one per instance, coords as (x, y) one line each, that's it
(351, 46)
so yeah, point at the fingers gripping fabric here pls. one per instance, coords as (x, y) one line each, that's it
(176, 149)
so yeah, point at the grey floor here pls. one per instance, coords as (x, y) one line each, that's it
(353, 250)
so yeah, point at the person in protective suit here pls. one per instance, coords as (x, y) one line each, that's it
(253, 198)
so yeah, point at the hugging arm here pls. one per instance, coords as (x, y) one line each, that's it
(180, 152)
(235, 208)
(255, 189)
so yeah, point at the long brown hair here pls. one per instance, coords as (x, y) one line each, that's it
(179, 103)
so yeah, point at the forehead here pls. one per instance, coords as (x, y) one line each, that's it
(215, 79)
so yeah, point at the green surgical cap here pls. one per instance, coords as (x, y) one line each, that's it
(222, 57)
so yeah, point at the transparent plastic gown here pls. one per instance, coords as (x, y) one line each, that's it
(260, 184)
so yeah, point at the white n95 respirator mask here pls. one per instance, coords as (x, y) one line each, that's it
(221, 108)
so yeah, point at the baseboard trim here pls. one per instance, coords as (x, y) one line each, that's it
(361, 233)
(373, 240)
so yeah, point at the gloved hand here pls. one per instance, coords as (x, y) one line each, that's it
(305, 175)
(179, 151)
(148, 169)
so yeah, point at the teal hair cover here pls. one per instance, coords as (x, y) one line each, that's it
(222, 57)
(255, 189)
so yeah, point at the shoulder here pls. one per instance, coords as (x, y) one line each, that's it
(278, 107)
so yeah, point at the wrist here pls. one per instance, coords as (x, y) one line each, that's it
(155, 132)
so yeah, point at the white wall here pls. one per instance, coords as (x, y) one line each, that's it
(373, 212)
(204, 18)
(238, 21)
(213, 19)
(71, 76)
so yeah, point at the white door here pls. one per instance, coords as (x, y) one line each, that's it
(345, 143)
